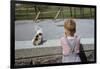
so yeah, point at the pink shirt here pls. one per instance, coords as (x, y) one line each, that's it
(66, 48)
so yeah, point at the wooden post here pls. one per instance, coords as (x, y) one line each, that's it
(35, 9)
(74, 12)
(70, 11)
(81, 12)
(57, 13)
(27, 12)
(91, 12)
(62, 13)
(37, 16)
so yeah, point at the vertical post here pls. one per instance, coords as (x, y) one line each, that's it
(81, 12)
(70, 11)
(75, 12)
(35, 10)
(91, 12)
(27, 12)
(62, 13)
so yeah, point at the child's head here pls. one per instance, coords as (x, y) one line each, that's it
(70, 27)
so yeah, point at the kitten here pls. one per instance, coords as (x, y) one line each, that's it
(38, 39)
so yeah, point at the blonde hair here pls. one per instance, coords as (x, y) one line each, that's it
(70, 26)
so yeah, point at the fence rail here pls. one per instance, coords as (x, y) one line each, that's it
(52, 12)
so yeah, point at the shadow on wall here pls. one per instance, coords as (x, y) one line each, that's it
(82, 54)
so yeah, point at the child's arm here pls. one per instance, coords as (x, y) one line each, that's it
(77, 48)
(65, 47)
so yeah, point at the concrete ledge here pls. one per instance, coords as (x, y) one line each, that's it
(37, 52)
(51, 59)
(48, 53)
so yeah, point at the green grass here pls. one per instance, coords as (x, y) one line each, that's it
(50, 12)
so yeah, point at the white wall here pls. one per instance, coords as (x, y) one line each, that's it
(5, 33)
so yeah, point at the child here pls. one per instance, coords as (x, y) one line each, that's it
(70, 43)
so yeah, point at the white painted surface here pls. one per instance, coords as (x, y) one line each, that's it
(48, 43)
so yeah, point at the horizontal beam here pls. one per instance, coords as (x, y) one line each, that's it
(26, 49)
(48, 43)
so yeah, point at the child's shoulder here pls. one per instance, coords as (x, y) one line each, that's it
(62, 38)
(77, 37)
